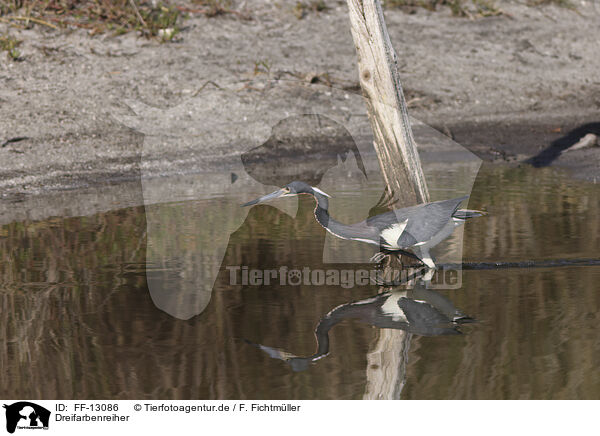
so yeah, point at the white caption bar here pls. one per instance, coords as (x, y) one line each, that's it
(23, 417)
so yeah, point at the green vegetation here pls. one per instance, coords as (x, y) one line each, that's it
(152, 18)
(9, 45)
(262, 66)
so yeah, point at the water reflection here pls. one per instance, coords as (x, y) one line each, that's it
(417, 311)
(76, 319)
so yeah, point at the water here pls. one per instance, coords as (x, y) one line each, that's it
(78, 321)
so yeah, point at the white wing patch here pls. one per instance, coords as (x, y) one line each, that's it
(391, 308)
(392, 234)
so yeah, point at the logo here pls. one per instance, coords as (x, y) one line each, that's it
(26, 415)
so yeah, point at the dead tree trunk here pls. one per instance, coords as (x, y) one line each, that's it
(380, 83)
(400, 165)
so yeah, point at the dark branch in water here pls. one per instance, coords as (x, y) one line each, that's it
(551, 263)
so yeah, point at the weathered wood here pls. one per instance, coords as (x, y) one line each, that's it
(380, 83)
(400, 165)
(589, 140)
(386, 370)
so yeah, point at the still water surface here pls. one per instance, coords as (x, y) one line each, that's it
(77, 319)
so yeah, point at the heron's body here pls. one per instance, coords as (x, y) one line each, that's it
(416, 228)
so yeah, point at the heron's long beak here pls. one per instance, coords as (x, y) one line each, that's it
(295, 362)
(267, 197)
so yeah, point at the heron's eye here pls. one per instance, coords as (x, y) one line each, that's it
(286, 190)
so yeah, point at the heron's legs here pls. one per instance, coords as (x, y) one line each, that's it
(383, 253)
(378, 257)
(425, 257)
(384, 259)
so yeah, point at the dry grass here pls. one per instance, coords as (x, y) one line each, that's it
(459, 8)
(151, 17)
(303, 8)
(468, 8)
(562, 3)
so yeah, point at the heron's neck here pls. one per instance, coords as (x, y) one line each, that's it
(322, 201)
(334, 317)
(323, 217)
(322, 333)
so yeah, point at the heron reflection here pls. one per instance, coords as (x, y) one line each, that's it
(418, 311)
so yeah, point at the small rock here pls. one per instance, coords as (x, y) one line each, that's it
(166, 34)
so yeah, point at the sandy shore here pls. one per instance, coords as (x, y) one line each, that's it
(505, 87)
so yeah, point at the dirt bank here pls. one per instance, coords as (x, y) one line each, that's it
(506, 87)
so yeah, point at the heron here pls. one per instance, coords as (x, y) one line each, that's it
(417, 228)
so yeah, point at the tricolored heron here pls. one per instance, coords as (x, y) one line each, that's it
(416, 228)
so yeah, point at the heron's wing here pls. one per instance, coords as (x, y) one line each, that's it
(423, 221)
(394, 222)
(424, 319)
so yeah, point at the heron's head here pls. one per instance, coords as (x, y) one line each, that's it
(293, 188)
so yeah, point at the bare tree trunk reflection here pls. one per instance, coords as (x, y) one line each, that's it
(386, 365)
(400, 164)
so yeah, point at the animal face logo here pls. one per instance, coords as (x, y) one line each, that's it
(26, 415)
(280, 131)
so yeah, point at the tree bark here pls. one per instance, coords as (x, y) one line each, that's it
(400, 165)
(380, 83)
